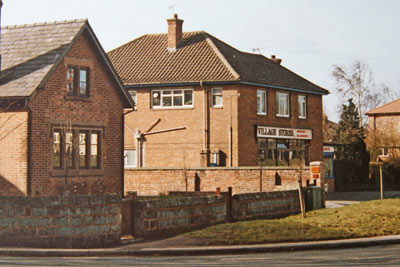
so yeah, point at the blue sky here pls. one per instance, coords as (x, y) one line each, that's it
(309, 35)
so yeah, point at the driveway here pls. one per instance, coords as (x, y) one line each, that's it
(340, 199)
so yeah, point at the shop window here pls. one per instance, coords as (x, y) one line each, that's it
(216, 97)
(302, 107)
(172, 98)
(76, 148)
(130, 158)
(282, 152)
(282, 104)
(261, 102)
(78, 81)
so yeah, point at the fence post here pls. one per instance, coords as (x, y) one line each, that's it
(229, 215)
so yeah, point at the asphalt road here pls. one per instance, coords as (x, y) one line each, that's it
(370, 256)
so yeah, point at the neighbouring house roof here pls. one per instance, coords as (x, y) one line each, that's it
(30, 52)
(200, 57)
(389, 108)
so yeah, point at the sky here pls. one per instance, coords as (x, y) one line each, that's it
(311, 36)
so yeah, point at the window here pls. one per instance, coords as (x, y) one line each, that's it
(172, 98)
(134, 97)
(282, 152)
(282, 104)
(76, 149)
(302, 107)
(261, 102)
(216, 97)
(78, 81)
(130, 158)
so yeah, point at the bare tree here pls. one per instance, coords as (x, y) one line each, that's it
(357, 82)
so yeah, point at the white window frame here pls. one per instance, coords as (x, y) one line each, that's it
(217, 92)
(282, 99)
(126, 159)
(302, 107)
(133, 95)
(172, 92)
(261, 102)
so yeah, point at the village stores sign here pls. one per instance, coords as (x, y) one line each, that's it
(286, 133)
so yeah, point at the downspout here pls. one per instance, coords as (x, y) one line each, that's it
(204, 116)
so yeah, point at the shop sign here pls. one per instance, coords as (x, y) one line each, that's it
(329, 149)
(286, 133)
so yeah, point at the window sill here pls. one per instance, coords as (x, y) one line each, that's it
(262, 114)
(217, 107)
(70, 173)
(303, 118)
(173, 108)
(282, 116)
(77, 98)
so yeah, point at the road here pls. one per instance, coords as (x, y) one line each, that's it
(370, 256)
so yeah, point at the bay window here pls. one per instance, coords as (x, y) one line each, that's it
(76, 148)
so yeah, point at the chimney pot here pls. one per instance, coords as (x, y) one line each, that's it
(174, 32)
(275, 59)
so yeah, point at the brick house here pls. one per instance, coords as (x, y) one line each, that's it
(61, 112)
(384, 129)
(200, 102)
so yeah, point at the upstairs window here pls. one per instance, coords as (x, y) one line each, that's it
(282, 105)
(134, 97)
(78, 81)
(261, 102)
(172, 98)
(216, 97)
(302, 107)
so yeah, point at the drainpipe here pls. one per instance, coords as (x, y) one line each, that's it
(204, 117)
(1, 5)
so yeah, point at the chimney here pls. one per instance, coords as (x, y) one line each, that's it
(174, 32)
(275, 59)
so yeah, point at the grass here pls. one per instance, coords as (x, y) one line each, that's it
(367, 219)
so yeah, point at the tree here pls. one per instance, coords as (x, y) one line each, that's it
(357, 82)
(352, 154)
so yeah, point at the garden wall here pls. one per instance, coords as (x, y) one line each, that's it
(170, 216)
(166, 217)
(266, 205)
(60, 221)
(155, 181)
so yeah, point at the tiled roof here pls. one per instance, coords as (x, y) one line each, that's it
(30, 51)
(199, 57)
(389, 108)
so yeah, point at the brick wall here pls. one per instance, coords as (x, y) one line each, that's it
(60, 221)
(13, 153)
(102, 110)
(166, 217)
(266, 205)
(150, 181)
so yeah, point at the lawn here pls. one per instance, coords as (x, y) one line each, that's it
(372, 218)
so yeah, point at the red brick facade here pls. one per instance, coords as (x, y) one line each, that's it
(103, 110)
(51, 108)
(182, 148)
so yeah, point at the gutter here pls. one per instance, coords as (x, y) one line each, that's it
(221, 83)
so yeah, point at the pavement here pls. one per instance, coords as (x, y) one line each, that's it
(178, 246)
